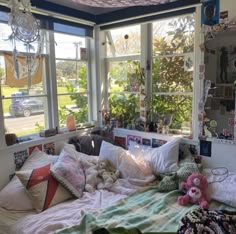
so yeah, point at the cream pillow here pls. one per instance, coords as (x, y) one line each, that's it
(44, 190)
(13, 196)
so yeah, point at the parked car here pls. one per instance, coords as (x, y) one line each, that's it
(26, 107)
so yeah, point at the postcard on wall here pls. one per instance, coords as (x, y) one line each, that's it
(49, 148)
(133, 138)
(188, 62)
(157, 142)
(31, 149)
(210, 12)
(146, 141)
(83, 54)
(121, 141)
(20, 158)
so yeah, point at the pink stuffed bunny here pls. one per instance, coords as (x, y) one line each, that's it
(196, 187)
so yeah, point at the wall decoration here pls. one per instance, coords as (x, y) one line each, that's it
(188, 62)
(224, 17)
(121, 141)
(49, 148)
(157, 142)
(205, 148)
(31, 149)
(133, 138)
(210, 12)
(83, 54)
(20, 158)
(146, 141)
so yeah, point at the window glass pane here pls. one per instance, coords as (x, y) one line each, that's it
(124, 76)
(24, 115)
(124, 108)
(71, 76)
(171, 75)
(180, 109)
(7, 43)
(123, 41)
(68, 46)
(24, 102)
(174, 35)
(76, 104)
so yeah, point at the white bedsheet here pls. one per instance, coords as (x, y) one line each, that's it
(65, 214)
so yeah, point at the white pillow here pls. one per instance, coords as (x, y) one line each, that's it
(122, 160)
(165, 158)
(222, 185)
(13, 196)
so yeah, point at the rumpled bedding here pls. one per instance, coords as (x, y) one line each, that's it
(65, 214)
(70, 212)
(149, 211)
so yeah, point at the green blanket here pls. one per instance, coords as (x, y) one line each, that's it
(149, 211)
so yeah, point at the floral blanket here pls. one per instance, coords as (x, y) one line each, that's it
(208, 221)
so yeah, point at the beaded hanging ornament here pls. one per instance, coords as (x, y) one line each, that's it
(25, 28)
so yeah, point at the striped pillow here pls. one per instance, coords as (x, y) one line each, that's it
(42, 188)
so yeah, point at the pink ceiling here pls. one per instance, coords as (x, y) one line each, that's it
(120, 3)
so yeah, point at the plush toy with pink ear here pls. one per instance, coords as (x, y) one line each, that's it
(196, 191)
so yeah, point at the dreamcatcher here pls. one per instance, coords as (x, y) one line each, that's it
(25, 28)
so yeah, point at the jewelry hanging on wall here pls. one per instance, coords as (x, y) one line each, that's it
(25, 29)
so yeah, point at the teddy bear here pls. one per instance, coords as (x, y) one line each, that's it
(97, 174)
(91, 175)
(196, 191)
(108, 178)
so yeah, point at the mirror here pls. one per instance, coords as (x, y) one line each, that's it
(220, 76)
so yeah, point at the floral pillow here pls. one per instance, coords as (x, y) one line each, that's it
(43, 189)
(68, 170)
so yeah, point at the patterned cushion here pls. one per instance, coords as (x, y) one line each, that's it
(14, 191)
(68, 171)
(43, 189)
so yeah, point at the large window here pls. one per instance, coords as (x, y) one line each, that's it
(172, 74)
(123, 63)
(169, 84)
(28, 102)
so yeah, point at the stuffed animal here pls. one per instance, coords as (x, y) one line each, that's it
(91, 176)
(196, 193)
(100, 174)
(108, 178)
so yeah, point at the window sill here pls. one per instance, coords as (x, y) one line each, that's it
(36, 139)
(184, 139)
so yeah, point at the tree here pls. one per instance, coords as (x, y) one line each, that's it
(169, 74)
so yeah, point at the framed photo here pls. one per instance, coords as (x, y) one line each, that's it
(49, 148)
(121, 141)
(146, 141)
(133, 138)
(20, 157)
(205, 148)
(210, 12)
(157, 142)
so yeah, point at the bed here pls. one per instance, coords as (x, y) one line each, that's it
(137, 200)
